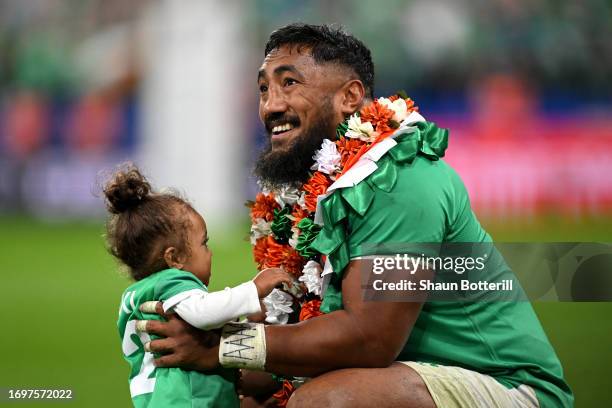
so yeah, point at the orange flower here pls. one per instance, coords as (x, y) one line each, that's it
(299, 214)
(316, 186)
(282, 395)
(275, 254)
(293, 261)
(310, 309)
(260, 250)
(353, 159)
(264, 207)
(389, 131)
(410, 105)
(348, 148)
(378, 115)
(270, 254)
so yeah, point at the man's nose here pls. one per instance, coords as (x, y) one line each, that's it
(275, 103)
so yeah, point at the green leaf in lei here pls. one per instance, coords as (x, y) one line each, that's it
(308, 232)
(281, 225)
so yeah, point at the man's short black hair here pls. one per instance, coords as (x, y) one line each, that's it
(328, 44)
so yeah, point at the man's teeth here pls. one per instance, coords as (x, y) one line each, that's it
(282, 128)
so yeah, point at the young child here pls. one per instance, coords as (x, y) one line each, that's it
(163, 241)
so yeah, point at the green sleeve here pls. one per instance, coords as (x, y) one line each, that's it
(464, 226)
(175, 281)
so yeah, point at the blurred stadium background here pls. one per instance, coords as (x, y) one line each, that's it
(524, 87)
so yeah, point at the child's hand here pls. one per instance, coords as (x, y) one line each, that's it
(270, 278)
(259, 317)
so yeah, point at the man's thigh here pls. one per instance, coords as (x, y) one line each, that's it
(394, 386)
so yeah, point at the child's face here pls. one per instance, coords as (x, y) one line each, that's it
(199, 260)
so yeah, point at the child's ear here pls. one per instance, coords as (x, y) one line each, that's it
(171, 258)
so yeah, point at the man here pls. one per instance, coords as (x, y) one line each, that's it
(386, 354)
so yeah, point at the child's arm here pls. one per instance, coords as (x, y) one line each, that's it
(211, 310)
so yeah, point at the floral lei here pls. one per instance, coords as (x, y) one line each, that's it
(283, 226)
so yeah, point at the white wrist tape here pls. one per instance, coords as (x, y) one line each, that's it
(243, 345)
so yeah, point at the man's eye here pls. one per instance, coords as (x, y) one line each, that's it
(263, 88)
(290, 81)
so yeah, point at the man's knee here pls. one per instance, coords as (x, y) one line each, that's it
(315, 395)
(395, 386)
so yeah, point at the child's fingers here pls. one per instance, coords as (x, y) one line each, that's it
(284, 277)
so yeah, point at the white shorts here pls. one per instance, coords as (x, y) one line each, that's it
(455, 387)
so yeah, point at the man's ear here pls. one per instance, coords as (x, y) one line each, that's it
(172, 259)
(352, 97)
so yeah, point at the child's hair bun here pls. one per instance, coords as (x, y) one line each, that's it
(127, 189)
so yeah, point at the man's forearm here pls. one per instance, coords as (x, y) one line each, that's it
(362, 334)
(322, 344)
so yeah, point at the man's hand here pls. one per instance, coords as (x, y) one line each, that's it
(270, 278)
(184, 346)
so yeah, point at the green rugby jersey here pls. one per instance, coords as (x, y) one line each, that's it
(153, 387)
(426, 202)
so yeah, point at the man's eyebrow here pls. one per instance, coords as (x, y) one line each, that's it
(279, 70)
(261, 74)
(287, 68)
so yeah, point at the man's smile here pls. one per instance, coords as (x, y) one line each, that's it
(283, 132)
(282, 128)
(277, 130)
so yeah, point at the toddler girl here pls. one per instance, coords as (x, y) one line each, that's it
(164, 243)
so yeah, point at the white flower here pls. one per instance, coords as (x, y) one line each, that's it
(302, 201)
(288, 194)
(327, 158)
(264, 190)
(358, 130)
(398, 106)
(295, 232)
(295, 289)
(278, 307)
(260, 229)
(311, 277)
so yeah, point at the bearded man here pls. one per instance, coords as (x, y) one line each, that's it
(363, 353)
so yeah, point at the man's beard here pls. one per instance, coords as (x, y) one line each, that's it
(292, 166)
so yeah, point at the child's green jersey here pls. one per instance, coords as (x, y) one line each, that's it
(167, 387)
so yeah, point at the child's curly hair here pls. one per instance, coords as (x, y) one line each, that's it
(143, 223)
